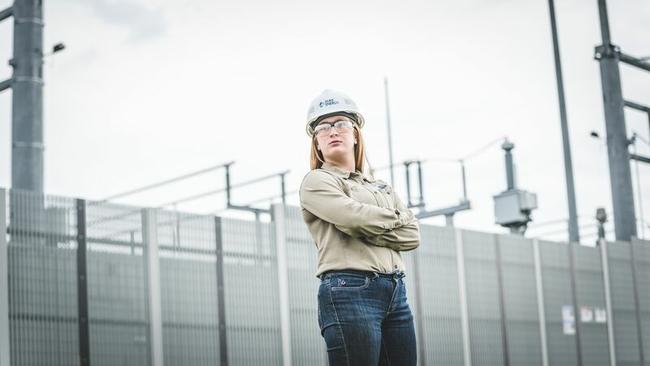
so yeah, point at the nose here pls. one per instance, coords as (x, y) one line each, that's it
(333, 131)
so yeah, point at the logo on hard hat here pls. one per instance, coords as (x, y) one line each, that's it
(328, 102)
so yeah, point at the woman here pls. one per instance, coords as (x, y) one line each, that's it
(359, 227)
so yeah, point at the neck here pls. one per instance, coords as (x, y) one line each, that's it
(345, 164)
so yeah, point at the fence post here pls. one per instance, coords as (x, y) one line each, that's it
(152, 267)
(221, 300)
(637, 304)
(541, 311)
(574, 299)
(4, 283)
(283, 280)
(419, 316)
(462, 287)
(604, 261)
(502, 301)
(82, 285)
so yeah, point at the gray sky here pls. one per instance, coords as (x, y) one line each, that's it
(148, 90)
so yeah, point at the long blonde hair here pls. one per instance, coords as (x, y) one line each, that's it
(317, 160)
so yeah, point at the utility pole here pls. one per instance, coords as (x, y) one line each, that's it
(27, 87)
(390, 135)
(574, 235)
(617, 142)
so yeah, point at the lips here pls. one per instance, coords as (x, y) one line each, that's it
(335, 141)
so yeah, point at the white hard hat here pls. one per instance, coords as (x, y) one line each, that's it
(331, 102)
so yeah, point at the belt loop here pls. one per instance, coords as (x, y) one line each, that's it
(398, 274)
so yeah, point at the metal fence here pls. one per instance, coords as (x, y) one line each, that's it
(96, 283)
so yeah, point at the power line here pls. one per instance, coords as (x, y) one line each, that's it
(439, 159)
(482, 149)
(165, 182)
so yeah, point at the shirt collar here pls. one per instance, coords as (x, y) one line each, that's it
(345, 174)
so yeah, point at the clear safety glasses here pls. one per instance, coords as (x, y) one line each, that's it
(325, 127)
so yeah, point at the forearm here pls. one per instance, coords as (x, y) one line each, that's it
(322, 196)
(403, 238)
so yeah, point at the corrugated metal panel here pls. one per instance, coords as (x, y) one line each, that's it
(642, 267)
(116, 285)
(251, 288)
(42, 280)
(441, 316)
(307, 345)
(623, 305)
(590, 291)
(522, 321)
(43, 308)
(188, 277)
(486, 337)
(557, 293)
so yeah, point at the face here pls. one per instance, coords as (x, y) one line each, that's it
(337, 142)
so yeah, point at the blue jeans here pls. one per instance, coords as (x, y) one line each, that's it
(365, 319)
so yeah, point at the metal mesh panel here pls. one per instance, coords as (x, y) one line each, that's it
(116, 285)
(483, 299)
(42, 280)
(623, 305)
(438, 274)
(520, 297)
(188, 278)
(590, 291)
(251, 293)
(556, 280)
(642, 267)
(307, 345)
(43, 310)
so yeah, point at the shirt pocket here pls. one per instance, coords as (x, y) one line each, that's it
(363, 194)
(384, 193)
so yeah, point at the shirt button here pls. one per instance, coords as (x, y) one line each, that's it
(396, 266)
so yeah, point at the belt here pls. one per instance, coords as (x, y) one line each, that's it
(395, 274)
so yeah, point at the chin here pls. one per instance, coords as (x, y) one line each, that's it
(338, 153)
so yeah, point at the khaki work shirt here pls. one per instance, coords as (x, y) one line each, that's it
(357, 222)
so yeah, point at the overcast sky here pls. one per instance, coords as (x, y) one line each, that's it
(147, 90)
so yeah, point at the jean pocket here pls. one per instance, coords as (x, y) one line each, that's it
(349, 282)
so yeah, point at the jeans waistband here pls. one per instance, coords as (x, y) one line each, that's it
(395, 274)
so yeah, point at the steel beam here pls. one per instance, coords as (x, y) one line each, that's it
(152, 265)
(462, 295)
(633, 61)
(279, 222)
(82, 285)
(617, 142)
(6, 13)
(465, 205)
(637, 106)
(27, 116)
(604, 261)
(574, 234)
(5, 84)
(221, 297)
(541, 312)
(5, 344)
(643, 159)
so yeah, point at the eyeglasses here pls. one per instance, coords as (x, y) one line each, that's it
(325, 127)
